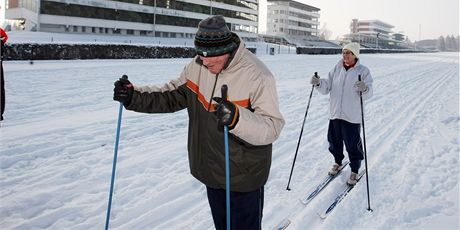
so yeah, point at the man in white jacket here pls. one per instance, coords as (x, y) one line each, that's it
(344, 86)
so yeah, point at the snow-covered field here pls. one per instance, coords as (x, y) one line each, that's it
(58, 137)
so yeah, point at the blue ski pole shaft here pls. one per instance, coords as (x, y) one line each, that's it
(227, 175)
(224, 91)
(365, 150)
(114, 166)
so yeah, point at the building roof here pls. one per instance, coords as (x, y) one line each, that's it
(295, 3)
(377, 22)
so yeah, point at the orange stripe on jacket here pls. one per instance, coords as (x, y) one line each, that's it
(243, 103)
(196, 89)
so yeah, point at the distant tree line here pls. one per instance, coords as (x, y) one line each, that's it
(449, 43)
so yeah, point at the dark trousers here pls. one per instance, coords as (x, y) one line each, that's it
(341, 132)
(245, 209)
(2, 82)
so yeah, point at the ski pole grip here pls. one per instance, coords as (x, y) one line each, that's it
(224, 91)
(359, 77)
(316, 74)
(124, 77)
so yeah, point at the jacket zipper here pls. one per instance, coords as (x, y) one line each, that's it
(341, 96)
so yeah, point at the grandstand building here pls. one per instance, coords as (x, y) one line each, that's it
(294, 23)
(159, 18)
(374, 34)
(292, 19)
(371, 28)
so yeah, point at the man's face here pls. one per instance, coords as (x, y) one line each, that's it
(215, 64)
(348, 57)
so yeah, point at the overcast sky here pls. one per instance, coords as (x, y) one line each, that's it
(425, 19)
(434, 17)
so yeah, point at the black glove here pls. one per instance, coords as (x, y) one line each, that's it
(227, 113)
(123, 91)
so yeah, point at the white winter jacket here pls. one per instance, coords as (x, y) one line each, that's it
(344, 102)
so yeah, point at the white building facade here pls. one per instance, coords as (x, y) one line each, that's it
(292, 19)
(159, 18)
(371, 28)
(374, 34)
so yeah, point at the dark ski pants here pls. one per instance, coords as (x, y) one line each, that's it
(2, 84)
(245, 209)
(2, 93)
(340, 132)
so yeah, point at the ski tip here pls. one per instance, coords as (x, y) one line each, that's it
(305, 201)
(322, 216)
(302, 201)
(283, 225)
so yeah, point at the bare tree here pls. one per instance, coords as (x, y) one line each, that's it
(324, 32)
(449, 44)
(441, 44)
(457, 43)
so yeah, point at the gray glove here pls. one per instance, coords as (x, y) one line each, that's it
(360, 86)
(315, 80)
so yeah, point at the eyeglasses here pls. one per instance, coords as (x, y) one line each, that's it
(347, 52)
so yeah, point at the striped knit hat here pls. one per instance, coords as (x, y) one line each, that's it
(213, 37)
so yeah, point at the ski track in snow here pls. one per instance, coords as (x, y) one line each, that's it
(57, 148)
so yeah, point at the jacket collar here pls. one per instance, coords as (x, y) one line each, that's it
(340, 63)
(236, 56)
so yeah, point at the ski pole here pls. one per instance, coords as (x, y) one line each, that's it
(114, 165)
(365, 150)
(300, 136)
(224, 91)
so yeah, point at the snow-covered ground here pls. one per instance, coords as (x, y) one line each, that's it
(58, 137)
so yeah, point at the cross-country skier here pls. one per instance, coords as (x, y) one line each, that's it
(251, 114)
(344, 87)
(4, 38)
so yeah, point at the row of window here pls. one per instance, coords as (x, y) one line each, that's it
(100, 30)
(241, 3)
(300, 24)
(292, 32)
(294, 14)
(72, 10)
(373, 30)
(303, 16)
(172, 4)
(61, 9)
(294, 23)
